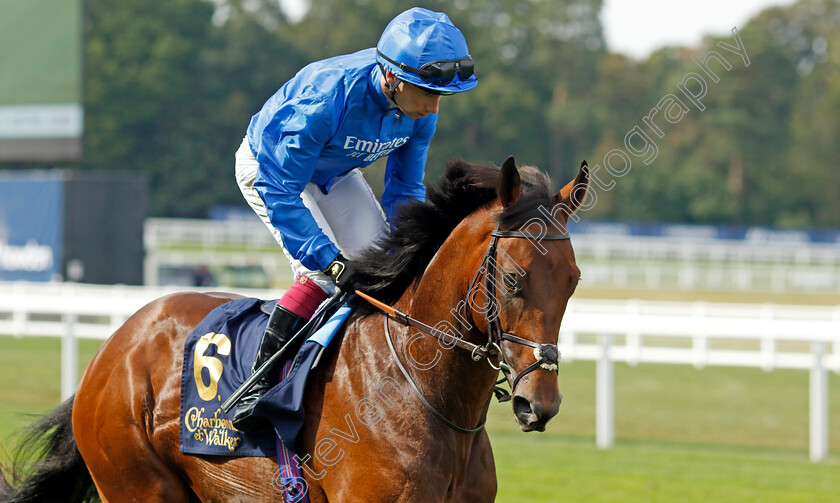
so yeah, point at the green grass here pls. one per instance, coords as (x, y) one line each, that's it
(683, 435)
(31, 377)
(558, 468)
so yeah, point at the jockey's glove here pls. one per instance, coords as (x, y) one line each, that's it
(341, 273)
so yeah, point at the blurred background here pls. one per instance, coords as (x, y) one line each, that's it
(119, 121)
(155, 96)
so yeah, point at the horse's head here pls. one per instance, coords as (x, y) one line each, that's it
(497, 237)
(521, 291)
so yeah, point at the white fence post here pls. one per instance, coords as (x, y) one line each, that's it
(605, 395)
(819, 404)
(699, 341)
(69, 357)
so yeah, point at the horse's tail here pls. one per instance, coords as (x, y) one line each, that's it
(48, 466)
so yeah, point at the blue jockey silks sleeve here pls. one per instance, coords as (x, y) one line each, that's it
(328, 119)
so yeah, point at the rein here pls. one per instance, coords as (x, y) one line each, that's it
(416, 390)
(547, 355)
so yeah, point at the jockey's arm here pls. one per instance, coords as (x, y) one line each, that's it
(283, 174)
(406, 168)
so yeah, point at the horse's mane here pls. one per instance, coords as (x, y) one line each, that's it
(386, 270)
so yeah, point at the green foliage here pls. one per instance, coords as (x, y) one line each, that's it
(815, 154)
(170, 87)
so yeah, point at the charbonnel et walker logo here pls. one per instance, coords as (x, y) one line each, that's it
(213, 431)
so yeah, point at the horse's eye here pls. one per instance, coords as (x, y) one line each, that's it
(512, 282)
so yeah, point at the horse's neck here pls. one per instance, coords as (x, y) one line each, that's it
(439, 299)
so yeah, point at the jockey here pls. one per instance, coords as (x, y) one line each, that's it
(299, 164)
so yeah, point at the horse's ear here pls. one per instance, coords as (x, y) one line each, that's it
(571, 196)
(510, 185)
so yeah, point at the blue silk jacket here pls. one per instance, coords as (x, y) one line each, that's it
(328, 119)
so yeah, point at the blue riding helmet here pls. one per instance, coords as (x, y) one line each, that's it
(424, 48)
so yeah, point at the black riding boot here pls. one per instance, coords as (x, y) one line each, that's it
(281, 326)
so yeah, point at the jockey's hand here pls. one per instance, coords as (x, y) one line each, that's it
(341, 273)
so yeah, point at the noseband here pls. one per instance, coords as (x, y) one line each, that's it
(547, 355)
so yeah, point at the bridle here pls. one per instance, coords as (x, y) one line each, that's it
(547, 355)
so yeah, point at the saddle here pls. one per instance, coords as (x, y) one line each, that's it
(218, 358)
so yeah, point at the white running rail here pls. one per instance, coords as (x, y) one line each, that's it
(766, 336)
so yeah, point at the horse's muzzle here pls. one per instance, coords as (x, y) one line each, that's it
(533, 416)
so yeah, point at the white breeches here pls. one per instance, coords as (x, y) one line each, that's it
(349, 215)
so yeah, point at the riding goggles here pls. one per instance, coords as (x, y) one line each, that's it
(439, 73)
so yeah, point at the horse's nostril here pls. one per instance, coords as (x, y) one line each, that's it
(521, 406)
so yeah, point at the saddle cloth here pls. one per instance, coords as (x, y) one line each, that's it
(218, 356)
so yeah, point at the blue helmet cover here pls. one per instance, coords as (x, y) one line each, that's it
(419, 36)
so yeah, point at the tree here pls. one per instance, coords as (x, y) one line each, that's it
(168, 92)
(170, 87)
(815, 156)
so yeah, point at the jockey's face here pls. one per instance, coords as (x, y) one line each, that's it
(414, 101)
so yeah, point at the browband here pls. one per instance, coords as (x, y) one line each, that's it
(529, 236)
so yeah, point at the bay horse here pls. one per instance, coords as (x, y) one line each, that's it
(398, 424)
